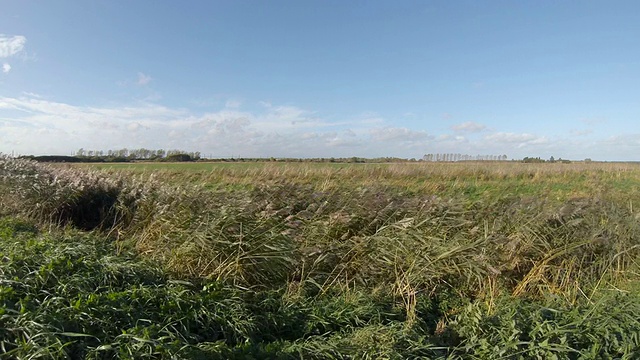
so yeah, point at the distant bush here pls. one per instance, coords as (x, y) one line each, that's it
(178, 158)
(116, 159)
(533, 160)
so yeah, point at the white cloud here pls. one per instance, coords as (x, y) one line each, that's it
(11, 45)
(223, 133)
(627, 141)
(32, 94)
(134, 126)
(143, 79)
(594, 120)
(397, 134)
(338, 142)
(308, 135)
(40, 126)
(583, 132)
(469, 127)
(369, 118)
(350, 133)
(33, 125)
(519, 140)
(288, 113)
(233, 104)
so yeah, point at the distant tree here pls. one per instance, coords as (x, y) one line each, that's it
(178, 157)
(532, 160)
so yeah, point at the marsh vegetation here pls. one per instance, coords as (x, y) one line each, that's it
(320, 261)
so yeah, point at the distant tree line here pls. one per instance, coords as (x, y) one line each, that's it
(551, 160)
(128, 155)
(122, 155)
(137, 154)
(450, 157)
(174, 155)
(353, 160)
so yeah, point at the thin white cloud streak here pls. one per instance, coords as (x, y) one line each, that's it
(11, 45)
(31, 125)
(469, 127)
(583, 132)
(143, 79)
(397, 134)
(519, 140)
(233, 104)
(32, 95)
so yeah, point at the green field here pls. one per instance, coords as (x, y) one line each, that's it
(467, 180)
(320, 261)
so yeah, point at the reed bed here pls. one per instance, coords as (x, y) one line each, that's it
(475, 260)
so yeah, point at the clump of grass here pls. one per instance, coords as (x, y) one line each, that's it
(66, 295)
(519, 328)
(64, 196)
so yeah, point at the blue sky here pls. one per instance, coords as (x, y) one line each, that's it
(322, 78)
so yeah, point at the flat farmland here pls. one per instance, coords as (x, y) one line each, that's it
(555, 181)
(486, 260)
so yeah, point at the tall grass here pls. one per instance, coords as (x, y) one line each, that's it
(295, 228)
(407, 260)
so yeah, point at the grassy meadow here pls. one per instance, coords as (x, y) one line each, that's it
(274, 260)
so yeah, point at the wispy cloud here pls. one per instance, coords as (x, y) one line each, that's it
(143, 79)
(469, 127)
(397, 134)
(583, 132)
(233, 104)
(32, 94)
(34, 125)
(594, 120)
(516, 139)
(11, 45)
(41, 126)
(508, 137)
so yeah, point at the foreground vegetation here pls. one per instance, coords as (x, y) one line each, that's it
(403, 261)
